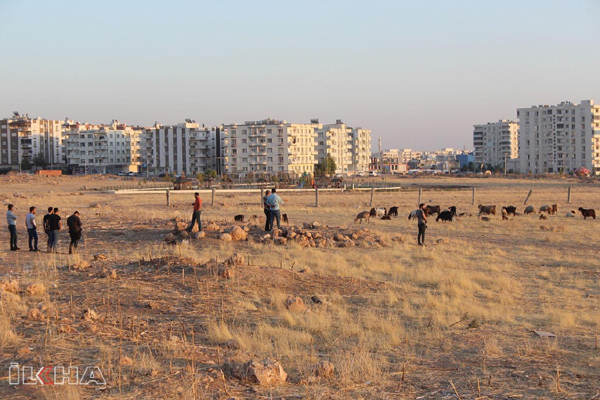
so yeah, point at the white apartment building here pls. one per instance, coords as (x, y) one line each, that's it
(406, 155)
(561, 137)
(361, 149)
(102, 149)
(185, 148)
(495, 142)
(22, 137)
(335, 140)
(269, 147)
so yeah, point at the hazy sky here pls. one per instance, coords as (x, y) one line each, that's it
(417, 73)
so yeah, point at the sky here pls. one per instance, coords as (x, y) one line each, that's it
(419, 74)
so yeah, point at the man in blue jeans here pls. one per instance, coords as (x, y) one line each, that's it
(11, 218)
(55, 225)
(196, 214)
(273, 201)
(32, 230)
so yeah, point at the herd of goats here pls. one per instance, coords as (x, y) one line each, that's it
(484, 212)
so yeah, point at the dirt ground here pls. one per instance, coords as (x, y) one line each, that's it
(453, 319)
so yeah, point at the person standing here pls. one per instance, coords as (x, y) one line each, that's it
(74, 224)
(196, 214)
(32, 230)
(267, 210)
(274, 201)
(46, 226)
(422, 224)
(11, 218)
(55, 225)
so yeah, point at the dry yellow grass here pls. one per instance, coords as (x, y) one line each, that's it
(397, 320)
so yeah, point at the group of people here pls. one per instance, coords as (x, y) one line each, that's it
(52, 224)
(271, 202)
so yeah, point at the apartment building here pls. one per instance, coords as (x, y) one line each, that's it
(559, 138)
(495, 142)
(269, 147)
(361, 149)
(185, 148)
(335, 140)
(108, 148)
(22, 137)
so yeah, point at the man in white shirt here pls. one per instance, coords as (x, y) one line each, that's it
(11, 218)
(32, 230)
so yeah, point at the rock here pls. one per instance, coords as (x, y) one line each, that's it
(198, 235)
(306, 225)
(264, 373)
(89, 315)
(184, 234)
(66, 329)
(81, 265)
(442, 241)
(154, 305)
(397, 239)
(169, 238)
(35, 314)
(11, 286)
(346, 243)
(231, 344)
(238, 234)
(235, 259)
(179, 225)
(267, 236)
(316, 225)
(338, 237)
(226, 273)
(95, 205)
(302, 241)
(225, 237)
(35, 289)
(295, 303)
(323, 370)
(277, 233)
(212, 227)
(100, 257)
(280, 241)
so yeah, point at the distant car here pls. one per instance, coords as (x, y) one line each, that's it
(121, 173)
(162, 175)
(373, 173)
(361, 173)
(132, 174)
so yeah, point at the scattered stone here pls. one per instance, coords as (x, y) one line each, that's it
(323, 370)
(179, 225)
(238, 234)
(36, 289)
(198, 235)
(184, 234)
(225, 237)
(280, 241)
(100, 257)
(11, 286)
(154, 305)
(226, 273)
(66, 329)
(212, 227)
(81, 265)
(231, 344)
(295, 303)
(264, 373)
(442, 241)
(170, 238)
(95, 205)
(235, 259)
(474, 324)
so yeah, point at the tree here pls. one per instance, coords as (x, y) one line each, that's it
(326, 166)
(26, 164)
(40, 161)
(210, 173)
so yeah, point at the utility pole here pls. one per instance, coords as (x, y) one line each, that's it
(505, 155)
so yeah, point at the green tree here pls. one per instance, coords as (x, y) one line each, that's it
(210, 173)
(26, 164)
(40, 161)
(326, 166)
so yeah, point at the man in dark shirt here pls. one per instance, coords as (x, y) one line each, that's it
(266, 209)
(422, 222)
(46, 227)
(74, 224)
(55, 225)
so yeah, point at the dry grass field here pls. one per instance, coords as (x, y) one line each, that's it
(454, 319)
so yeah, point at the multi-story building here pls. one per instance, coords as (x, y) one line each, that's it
(361, 149)
(186, 148)
(559, 138)
(335, 140)
(270, 147)
(496, 142)
(22, 137)
(102, 149)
